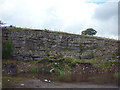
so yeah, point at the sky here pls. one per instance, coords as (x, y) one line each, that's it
(72, 16)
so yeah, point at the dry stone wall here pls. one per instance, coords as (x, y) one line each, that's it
(36, 44)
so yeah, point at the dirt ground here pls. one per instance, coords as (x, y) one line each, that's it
(42, 84)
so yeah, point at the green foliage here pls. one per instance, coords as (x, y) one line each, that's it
(7, 50)
(34, 70)
(72, 64)
(104, 64)
(68, 59)
(98, 63)
(89, 31)
(61, 71)
(55, 66)
(47, 54)
(47, 59)
(81, 48)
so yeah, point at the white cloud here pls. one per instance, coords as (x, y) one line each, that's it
(106, 16)
(66, 15)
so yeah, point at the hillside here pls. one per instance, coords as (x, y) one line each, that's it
(39, 55)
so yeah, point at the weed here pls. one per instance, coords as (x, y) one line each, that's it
(47, 54)
(34, 70)
(61, 71)
(68, 59)
(7, 50)
(81, 48)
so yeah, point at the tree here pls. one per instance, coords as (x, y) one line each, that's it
(89, 31)
(1, 23)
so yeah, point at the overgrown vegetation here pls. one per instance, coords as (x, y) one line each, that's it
(60, 66)
(7, 49)
(47, 54)
(81, 48)
(33, 70)
(63, 65)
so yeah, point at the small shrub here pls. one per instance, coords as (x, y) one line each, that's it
(47, 54)
(60, 71)
(68, 59)
(72, 64)
(7, 50)
(34, 70)
(81, 48)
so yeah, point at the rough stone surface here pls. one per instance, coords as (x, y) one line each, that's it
(10, 68)
(36, 44)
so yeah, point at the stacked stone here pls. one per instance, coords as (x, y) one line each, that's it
(35, 44)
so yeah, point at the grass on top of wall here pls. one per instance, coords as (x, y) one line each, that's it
(14, 28)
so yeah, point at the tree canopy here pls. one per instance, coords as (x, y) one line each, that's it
(89, 31)
(1, 23)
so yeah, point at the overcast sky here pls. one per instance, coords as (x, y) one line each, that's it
(71, 16)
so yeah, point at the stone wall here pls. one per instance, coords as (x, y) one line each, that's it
(36, 44)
